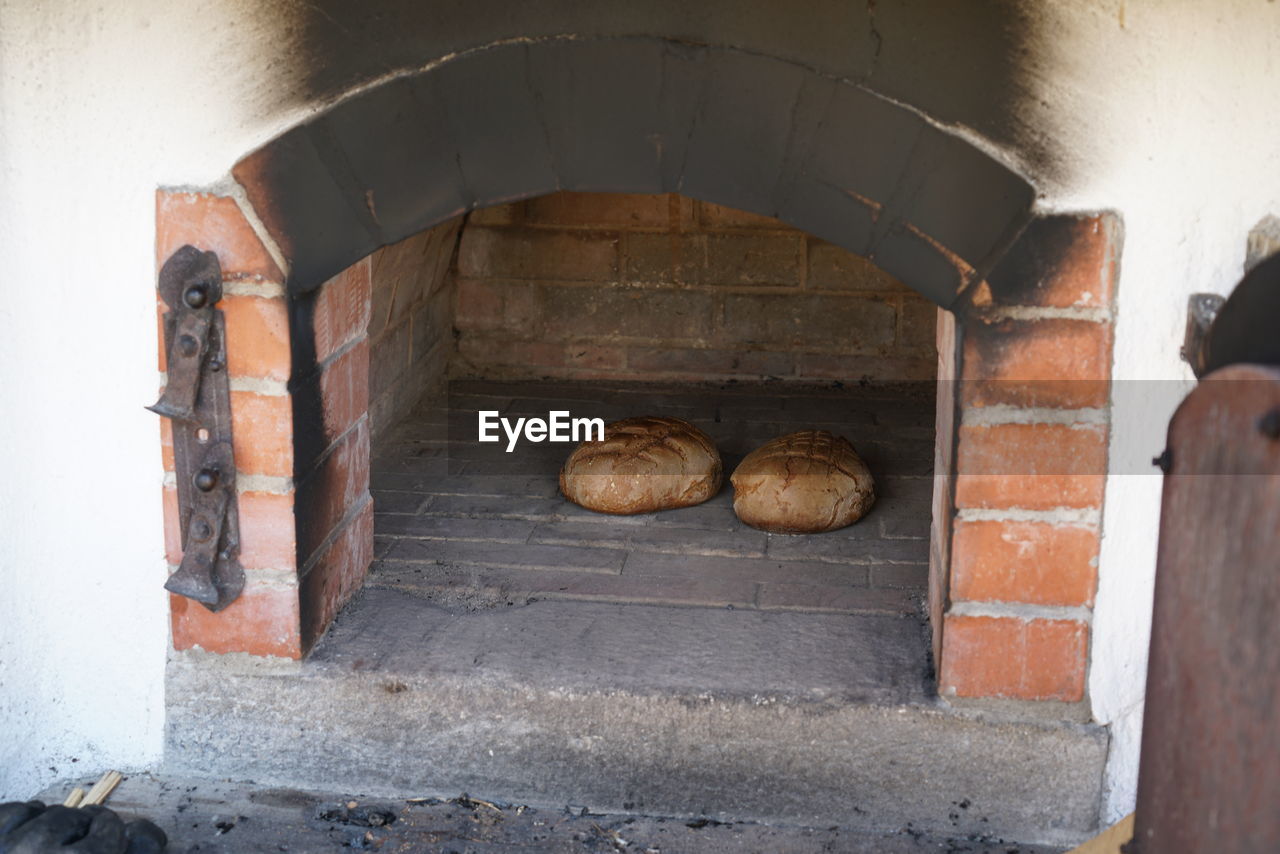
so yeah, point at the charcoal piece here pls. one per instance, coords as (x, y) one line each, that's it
(33, 828)
(53, 828)
(144, 837)
(15, 813)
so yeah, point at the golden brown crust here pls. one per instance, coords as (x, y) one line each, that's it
(802, 483)
(644, 464)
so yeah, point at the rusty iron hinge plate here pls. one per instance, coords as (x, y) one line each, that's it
(197, 398)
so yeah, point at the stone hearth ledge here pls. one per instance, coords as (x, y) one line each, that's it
(658, 710)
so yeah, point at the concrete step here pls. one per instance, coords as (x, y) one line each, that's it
(797, 718)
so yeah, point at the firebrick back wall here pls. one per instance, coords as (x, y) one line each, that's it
(598, 285)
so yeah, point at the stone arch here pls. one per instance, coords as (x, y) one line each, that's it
(523, 118)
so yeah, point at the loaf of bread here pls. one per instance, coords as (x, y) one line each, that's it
(644, 464)
(802, 483)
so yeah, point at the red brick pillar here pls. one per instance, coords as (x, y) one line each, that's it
(297, 575)
(331, 394)
(1030, 456)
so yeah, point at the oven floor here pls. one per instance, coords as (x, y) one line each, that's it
(472, 526)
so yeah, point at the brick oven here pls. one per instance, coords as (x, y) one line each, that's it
(407, 256)
(1031, 402)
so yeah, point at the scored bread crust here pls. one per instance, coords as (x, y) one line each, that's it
(802, 483)
(644, 464)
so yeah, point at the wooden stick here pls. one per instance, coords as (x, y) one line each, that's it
(110, 786)
(1110, 840)
(74, 799)
(92, 793)
(102, 789)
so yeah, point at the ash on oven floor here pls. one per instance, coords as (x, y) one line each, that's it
(219, 817)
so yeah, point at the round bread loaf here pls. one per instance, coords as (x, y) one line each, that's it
(802, 483)
(644, 464)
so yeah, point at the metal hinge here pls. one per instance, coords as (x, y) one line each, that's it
(1202, 310)
(197, 398)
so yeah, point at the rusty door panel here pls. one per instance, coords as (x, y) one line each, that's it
(1210, 774)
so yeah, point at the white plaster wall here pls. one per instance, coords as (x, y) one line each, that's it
(99, 104)
(1163, 110)
(1169, 111)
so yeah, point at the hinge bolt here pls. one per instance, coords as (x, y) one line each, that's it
(188, 346)
(196, 296)
(202, 531)
(205, 480)
(1269, 424)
